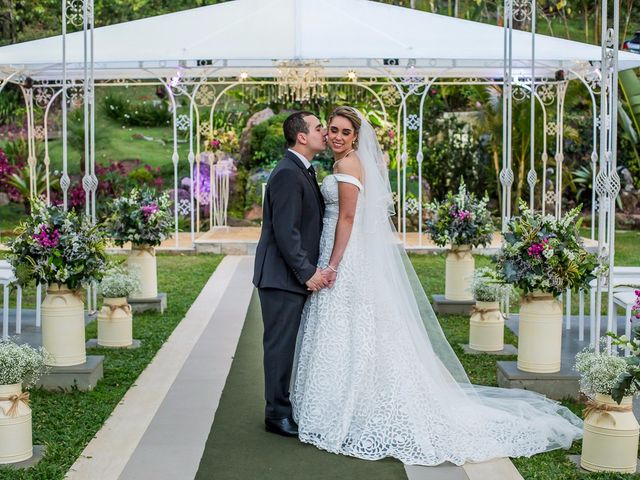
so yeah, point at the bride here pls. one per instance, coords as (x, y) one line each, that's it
(374, 375)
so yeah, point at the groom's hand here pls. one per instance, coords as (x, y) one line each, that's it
(317, 282)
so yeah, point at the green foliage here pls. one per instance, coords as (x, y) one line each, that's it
(20, 180)
(141, 176)
(11, 106)
(541, 253)
(136, 113)
(628, 381)
(267, 143)
(461, 219)
(18, 151)
(452, 152)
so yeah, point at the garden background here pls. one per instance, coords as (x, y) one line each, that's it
(134, 135)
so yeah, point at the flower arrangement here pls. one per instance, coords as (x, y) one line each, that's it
(142, 218)
(488, 286)
(54, 246)
(461, 219)
(541, 253)
(387, 137)
(222, 140)
(635, 310)
(628, 381)
(119, 282)
(21, 363)
(601, 373)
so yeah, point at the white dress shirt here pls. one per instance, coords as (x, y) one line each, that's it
(304, 161)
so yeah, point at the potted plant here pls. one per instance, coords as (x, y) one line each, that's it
(143, 218)
(115, 320)
(19, 365)
(460, 222)
(63, 250)
(610, 440)
(543, 257)
(486, 325)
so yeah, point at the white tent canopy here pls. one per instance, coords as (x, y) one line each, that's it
(257, 35)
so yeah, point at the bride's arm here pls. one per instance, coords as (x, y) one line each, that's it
(348, 200)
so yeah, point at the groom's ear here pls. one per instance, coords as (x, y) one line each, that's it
(302, 138)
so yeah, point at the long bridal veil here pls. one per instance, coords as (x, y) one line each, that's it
(397, 289)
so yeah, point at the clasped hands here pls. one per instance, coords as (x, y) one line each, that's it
(323, 278)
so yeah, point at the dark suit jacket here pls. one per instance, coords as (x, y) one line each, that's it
(287, 253)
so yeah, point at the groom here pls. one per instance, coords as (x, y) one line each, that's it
(286, 260)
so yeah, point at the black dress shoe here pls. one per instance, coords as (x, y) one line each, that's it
(282, 426)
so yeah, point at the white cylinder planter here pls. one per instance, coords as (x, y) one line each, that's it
(540, 334)
(610, 442)
(459, 273)
(144, 258)
(63, 327)
(16, 444)
(486, 327)
(115, 325)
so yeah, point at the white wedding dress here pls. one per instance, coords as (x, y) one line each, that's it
(374, 376)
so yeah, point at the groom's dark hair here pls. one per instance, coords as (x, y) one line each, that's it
(293, 125)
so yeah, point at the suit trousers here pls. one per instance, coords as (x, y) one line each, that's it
(281, 314)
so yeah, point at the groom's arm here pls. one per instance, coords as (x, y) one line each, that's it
(286, 213)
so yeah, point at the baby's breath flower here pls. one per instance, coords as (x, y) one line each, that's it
(20, 363)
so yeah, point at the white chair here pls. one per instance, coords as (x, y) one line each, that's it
(626, 299)
(623, 280)
(4, 265)
(6, 279)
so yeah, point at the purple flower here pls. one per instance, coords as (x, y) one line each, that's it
(464, 214)
(47, 239)
(148, 210)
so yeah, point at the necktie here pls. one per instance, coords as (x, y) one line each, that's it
(312, 171)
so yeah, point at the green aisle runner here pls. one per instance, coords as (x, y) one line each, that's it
(238, 446)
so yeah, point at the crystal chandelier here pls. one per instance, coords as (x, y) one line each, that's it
(299, 81)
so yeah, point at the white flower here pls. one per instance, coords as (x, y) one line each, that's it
(548, 253)
(600, 371)
(18, 362)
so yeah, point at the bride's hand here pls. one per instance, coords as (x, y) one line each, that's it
(329, 276)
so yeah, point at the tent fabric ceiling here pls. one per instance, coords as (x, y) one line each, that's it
(255, 36)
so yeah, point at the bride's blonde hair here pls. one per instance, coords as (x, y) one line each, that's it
(351, 115)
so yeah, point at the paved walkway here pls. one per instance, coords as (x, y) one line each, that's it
(160, 429)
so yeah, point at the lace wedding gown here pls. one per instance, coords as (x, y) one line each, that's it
(365, 384)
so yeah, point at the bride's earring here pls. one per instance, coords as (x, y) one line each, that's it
(355, 143)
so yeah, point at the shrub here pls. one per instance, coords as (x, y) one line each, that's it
(267, 144)
(136, 113)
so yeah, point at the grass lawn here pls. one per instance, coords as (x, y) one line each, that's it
(482, 368)
(115, 142)
(66, 422)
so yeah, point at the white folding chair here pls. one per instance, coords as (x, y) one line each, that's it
(626, 299)
(623, 279)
